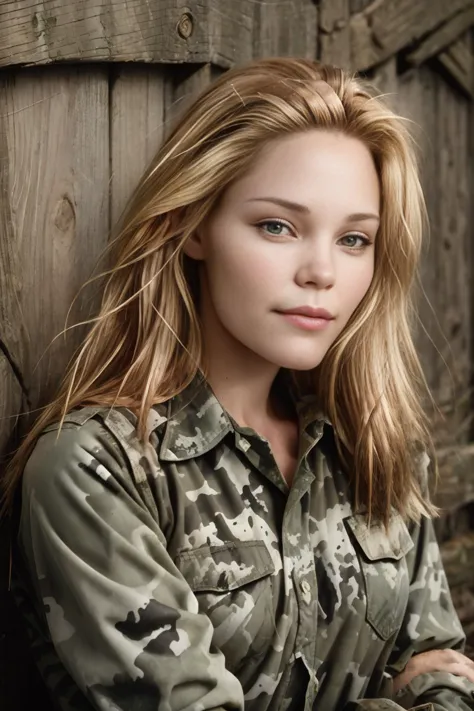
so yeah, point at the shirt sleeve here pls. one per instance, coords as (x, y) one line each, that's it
(122, 619)
(430, 622)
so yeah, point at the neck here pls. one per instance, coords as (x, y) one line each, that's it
(241, 380)
(243, 391)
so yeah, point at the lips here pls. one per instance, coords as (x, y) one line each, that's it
(307, 318)
(309, 312)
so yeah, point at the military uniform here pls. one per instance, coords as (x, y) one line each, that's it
(186, 575)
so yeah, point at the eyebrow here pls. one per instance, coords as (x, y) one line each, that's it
(297, 207)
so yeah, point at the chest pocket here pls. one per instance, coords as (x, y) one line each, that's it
(233, 585)
(382, 559)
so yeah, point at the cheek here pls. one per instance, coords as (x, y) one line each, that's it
(357, 284)
(241, 274)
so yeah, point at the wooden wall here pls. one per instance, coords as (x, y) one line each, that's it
(87, 91)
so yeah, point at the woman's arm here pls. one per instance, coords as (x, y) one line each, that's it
(122, 619)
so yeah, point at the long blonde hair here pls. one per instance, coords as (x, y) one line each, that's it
(145, 346)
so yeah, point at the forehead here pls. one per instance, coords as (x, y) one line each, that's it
(314, 167)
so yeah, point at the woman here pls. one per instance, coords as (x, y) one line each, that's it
(227, 507)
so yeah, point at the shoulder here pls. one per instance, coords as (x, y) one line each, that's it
(95, 449)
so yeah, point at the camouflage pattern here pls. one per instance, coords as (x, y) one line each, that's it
(185, 575)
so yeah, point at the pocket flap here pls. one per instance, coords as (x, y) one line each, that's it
(378, 543)
(225, 567)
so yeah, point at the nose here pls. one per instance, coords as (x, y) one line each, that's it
(317, 266)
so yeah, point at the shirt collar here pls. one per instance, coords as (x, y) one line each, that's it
(196, 421)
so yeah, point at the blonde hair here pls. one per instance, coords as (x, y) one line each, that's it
(145, 346)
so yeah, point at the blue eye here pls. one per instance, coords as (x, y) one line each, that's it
(355, 241)
(274, 227)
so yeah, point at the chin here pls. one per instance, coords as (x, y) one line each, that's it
(296, 361)
(298, 365)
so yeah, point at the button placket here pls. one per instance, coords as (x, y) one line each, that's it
(305, 588)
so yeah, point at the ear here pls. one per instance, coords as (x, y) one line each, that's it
(194, 246)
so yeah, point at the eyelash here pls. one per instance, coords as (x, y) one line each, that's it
(365, 240)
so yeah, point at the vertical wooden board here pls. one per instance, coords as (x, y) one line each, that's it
(13, 337)
(442, 114)
(286, 29)
(385, 79)
(411, 95)
(334, 33)
(57, 148)
(183, 84)
(416, 102)
(452, 247)
(136, 128)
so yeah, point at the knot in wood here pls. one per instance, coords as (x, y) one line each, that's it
(185, 25)
(65, 215)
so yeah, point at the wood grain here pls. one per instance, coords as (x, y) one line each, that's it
(458, 62)
(57, 158)
(335, 33)
(452, 245)
(166, 31)
(45, 31)
(136, 128)
(13, 330)
(182, 86)
(285, 28)
(385, 27)
(440, 39)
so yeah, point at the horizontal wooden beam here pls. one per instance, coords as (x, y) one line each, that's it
(198, 31)
(458, 61)
(386, 27)
(442, 38)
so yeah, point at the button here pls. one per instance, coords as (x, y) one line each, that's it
(245, 444)
(306, 590)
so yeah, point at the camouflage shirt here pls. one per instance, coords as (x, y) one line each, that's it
(185, 575)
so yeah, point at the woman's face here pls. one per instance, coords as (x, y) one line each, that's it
(296, 233)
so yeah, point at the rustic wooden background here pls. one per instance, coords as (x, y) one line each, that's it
(88, 89)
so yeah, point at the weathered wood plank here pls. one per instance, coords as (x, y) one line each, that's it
(284, 28)
(458, 61)
(136, 128)
(56, 152)
(415, 99)
(11, 398)
(385, 78)
(53, 225)
(452, 245)
(385, 27)
(458, 560)
(229, 32)
(183, 85)
(442, 38)
(46, 31)
(13, 334)
(334, 32)
(456, 483)
(441, 128)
